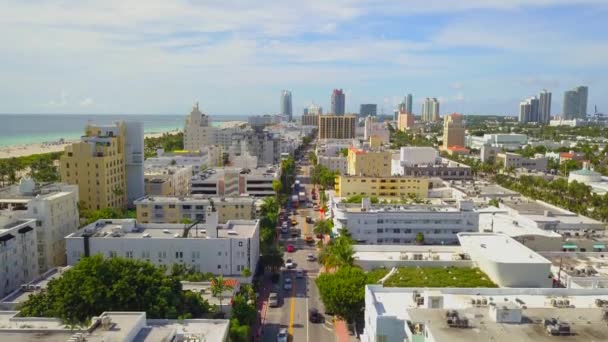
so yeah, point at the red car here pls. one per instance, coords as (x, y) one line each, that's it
(291, 249)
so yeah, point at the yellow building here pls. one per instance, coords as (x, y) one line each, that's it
(453, 132)
(383, 187)
(97, 165)
(337, 126)
(363, 163)
(157, 209)
(405, 121)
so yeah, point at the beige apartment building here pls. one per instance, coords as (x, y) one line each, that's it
(97, 165)
(168, 180)
(364, 163)
(382, 187)
(198, 131)
(405, 121)
(160, 209)
(310, 120)
(453, 131)
(337, 126)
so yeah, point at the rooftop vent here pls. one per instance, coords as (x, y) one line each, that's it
(556, 328)
(454, 321)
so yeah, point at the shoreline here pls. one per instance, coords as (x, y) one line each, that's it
(24, 150)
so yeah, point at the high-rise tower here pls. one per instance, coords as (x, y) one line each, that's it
(286, 106)
(338, 102)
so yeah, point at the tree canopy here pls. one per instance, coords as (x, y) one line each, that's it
(168, 142)
(343, 292)
(97, 284)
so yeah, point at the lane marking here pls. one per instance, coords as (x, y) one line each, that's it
(292, 308)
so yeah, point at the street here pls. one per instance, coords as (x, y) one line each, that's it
(294, 305)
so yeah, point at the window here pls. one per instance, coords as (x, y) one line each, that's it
(240, 243)
(380, 231)
(129, 254)
(396, 230)
(179, 255)
(219, 253)
(171, 206)
(219, 267)
(112, 254)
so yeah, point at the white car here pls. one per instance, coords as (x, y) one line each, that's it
(311, 257)
(282, 335)
(289, 264)
(300, 274)
(287, 284)
(273, 300)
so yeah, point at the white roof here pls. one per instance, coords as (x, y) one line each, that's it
(500, 248)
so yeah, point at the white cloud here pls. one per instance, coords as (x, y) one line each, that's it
(86, 102)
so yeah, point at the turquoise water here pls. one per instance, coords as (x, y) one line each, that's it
(20, 129)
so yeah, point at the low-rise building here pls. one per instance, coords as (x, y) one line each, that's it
(441, 167)
(55, 210)
(418, 155)
(402, 224)
(483, 314)
(112, 326)
(368, 163)
(216, 182)
(167, 180)
(13, 300)
(206, 247)
(383, 187)
(337, 163)
(18, 254)
(508, 159)
(564, 122)
(258, 182)
(509, 142)
(594, 179)
(195, 159)
(158, 209)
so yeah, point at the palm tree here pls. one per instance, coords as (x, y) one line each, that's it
(218, 287)
(322, 227)
(339, 253)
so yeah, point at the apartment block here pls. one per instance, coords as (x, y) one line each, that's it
(195, 159)
(168, 180)
(158, 209)
(400, 224)
(97, 164)
(337, 126)
(310, 120)
(364, 163)
(18, 255)
(383, 187)
(405, 121)
(207, 247)
(54, 207)
(338, 163)
(453, 131)
(198, 131)
(508, 159)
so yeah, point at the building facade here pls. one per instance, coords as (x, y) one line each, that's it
(409, 101)
(286, 104)
(529, 110)
(207, 247)
(383, 187)
(55, 210)
(310, 120)
(509, 160)
(338, 102)
(509, 142)
(405, 121)
(363, 163)
(544, 109)
(18, 254)
(97, 164)
(400, 224)
(575, 103)
(197, 160)
(430, 110)
(453, 131)
(368, 109)
(337, 126)
(176, 209)
(198, 131)
(168, 181)
(337, 163)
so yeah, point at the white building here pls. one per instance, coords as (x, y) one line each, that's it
(506, 261)
(168, 180)
(517, 161)
(55, 209)
(18, 255)
(564, 122)
(509, 142)
(412, 156)
(586, 175)
(258, 182)
(134, 159)
(209, 246)
(197, 159)
(216, 182)
(482, 314)
(338, 163)
(400, 224)
(198, 131)
(112, 326)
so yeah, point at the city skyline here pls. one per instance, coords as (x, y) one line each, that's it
(111, 58)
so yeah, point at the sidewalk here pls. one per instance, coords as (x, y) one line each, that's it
(262, 308)
(341, 330)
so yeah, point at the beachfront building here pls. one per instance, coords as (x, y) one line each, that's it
(18, 255)
(107, 165)
(198, 131)
(54, 207)
(367, 163)
(159, 209)
(394, 224)
(168, 180)
(207, 247)
(382, 187)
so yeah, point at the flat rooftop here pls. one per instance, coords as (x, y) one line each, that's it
(195, 199)
(586, 324)
(202, 329)
(500, 248)
(12, 194)
(482, 189)
(21, 295)
(396, 208)
(501, 221)
(396, 252)
(542, 212)
(123, 229)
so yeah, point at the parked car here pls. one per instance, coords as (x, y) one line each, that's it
(273, 300)
(311, 257)
(287, 284)
(300, 274)
(289, 264)
(294, 222)
(282, 335)
(291, 249)
(309, 238)
(315, 316)
(308, 219)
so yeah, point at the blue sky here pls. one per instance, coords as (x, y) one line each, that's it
(235, 57)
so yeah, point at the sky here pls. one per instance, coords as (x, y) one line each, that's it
(235, 57)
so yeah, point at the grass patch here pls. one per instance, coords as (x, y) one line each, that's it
(439, 277)
(375, 275)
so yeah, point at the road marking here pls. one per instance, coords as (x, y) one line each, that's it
(292, 308)
(307, 338)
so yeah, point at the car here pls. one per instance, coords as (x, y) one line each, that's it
(273, 300)
(300, 274)
(287, 284)
(315, 316)
(289, 264)
(282, 335)
(319, 236)
(309, 239)
(311, 257)
(294, 222)
(291, 248)
(308, 219)
(316, 208)
(309, 205)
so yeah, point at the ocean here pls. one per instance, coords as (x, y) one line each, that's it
(20, 129)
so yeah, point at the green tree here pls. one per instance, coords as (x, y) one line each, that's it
(218, 287)
(344, 152)
(277, 187)
(420, 238)
(313, 158)
(239, 332)
(494, 202)
(168, 142)
(246, 272)
(338, 253)
(343, 292)
(323, 227)
(91, 216)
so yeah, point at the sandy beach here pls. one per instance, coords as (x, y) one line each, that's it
(29, 149)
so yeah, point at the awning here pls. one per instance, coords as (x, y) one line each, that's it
(25, 229)
(569, 246)
(6, 237)
(599, 246)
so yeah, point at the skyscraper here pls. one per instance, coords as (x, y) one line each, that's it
(286, 107)
(368, 109)
(575, 103)
(338, 102)
(408, 103)
(529, 110)
(544, 109)
(453, 131)
(430, 110)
